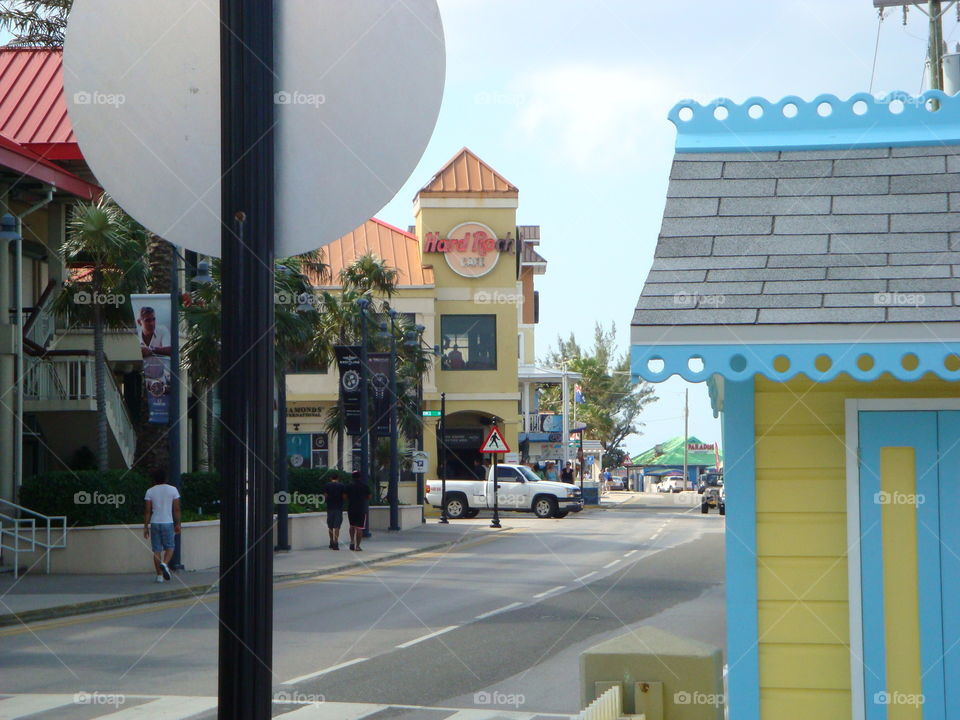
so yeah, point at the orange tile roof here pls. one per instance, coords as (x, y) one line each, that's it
(466, 173)
(33, 110)
(400, 250)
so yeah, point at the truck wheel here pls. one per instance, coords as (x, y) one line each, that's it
(545, 507)
(561, 514)
(704, 508)
(456, 507)
(471, 513)
(723, 509)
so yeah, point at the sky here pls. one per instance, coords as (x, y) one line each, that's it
(568, 99)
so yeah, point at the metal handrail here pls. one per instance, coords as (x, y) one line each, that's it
(606, 707)
(31, 522)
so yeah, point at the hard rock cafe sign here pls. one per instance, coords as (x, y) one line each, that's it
(471, 249)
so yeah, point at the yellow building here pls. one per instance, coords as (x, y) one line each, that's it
(466, 273)
(808, 269)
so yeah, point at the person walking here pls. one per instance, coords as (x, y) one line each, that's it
(161, 522)
(358, 499)
(566, 475)
(334, 491)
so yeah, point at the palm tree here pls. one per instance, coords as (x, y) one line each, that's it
(106, 251)
(203, 313)
(35, 23)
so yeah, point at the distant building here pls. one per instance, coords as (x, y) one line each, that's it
(667, 459)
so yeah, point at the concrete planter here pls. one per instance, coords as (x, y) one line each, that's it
(122, 549)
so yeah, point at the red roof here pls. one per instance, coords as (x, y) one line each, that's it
(28, 163)
(466, 174)
(399, 249)
(33, 110)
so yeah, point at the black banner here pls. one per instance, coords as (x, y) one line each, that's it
(380, 399)
(348, 362)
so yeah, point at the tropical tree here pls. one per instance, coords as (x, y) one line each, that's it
(612, 404)
(203, 311)
(105, 252)
(35, 23)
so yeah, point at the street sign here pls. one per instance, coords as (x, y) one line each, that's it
(420, 461)
(430, 413)
(144, 102)
(494, 442)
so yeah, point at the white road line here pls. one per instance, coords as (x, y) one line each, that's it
(551, 590)
(629, 553)
(409, 643)
(611, 564)
(511, 606)
(318, 673)
(23, 705)
(584, 577)
(166, 708)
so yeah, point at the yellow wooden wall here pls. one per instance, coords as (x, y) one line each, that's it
(802, 540)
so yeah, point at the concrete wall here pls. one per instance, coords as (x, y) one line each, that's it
(122, 549)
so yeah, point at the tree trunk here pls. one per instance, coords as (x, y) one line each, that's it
(100, 370)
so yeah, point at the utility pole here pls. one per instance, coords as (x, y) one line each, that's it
(935, 51)
(686, 435)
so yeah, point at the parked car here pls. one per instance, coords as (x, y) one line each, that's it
(617, 483)
(520, 490)
(671, 484)
(714, 496)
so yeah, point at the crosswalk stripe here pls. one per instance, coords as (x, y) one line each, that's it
(19, 706)
(334, 711)
(166, 708)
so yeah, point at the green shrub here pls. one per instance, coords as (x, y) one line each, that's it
(200, 493)
(87, 497)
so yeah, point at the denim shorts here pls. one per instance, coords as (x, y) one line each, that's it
(161, 536)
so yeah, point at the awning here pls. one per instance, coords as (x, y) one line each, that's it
(545, 375)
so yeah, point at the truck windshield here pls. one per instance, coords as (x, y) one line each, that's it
(528, 474)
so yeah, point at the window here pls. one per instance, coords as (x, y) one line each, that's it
(469, 342)
(507, 474)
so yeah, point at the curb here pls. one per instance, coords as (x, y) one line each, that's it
(193, 591)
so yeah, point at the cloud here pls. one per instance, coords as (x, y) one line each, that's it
(596, 117)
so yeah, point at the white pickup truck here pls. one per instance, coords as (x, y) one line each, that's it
(520, 490)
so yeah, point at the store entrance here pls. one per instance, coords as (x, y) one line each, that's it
(464, 436)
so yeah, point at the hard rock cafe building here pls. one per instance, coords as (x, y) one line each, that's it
(466, 273)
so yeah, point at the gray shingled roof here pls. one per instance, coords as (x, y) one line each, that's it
(808, 237)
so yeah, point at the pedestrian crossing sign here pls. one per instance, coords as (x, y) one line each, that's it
(494, 442)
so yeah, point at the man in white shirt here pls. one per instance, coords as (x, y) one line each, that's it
(154, 339)
(161, 522)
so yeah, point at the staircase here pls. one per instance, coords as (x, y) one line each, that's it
(24, 531)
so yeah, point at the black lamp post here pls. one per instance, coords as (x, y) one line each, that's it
(442, 458)
(364, 304)
(393, 482)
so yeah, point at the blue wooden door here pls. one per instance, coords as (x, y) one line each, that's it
(910, 563)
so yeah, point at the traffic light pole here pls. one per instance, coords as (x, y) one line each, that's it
(248, 206)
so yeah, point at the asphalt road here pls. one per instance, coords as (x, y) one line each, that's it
(506, 616)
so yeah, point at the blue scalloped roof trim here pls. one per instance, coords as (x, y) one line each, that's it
(741, 362)
(878, 126)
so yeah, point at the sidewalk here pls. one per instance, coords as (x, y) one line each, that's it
(37, 597)
(626, 500)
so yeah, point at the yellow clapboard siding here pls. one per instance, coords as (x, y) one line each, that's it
(824, 494)
(804, 621)
(813, 579)
(819, 450)
(803, 534)
(787, 704)
(805, 666)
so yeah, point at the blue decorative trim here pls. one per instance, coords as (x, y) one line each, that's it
(740, 362)
(739, 470)
(878, 125)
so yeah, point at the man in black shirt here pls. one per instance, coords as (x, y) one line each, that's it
(334, 492)
(566, 475)
(358, 496)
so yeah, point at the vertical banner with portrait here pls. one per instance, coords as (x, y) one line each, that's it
(151, 314)
(348, 362)
(380, 392)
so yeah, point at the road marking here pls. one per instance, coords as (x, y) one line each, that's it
(611, 564)
(551, 590)
(410, 643)
(584, 577)
(24, 705)
(166, 708)
(511, 606)
(318, 673)
(629, 553)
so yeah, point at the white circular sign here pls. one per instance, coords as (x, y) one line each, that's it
(358, 92)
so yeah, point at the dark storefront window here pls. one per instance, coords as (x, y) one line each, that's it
(469, 342)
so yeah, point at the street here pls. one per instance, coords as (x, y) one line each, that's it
(493, 624)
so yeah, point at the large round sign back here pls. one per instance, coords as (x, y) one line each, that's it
(358, 91)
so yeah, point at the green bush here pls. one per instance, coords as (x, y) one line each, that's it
(200, 493)
(87, 497)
